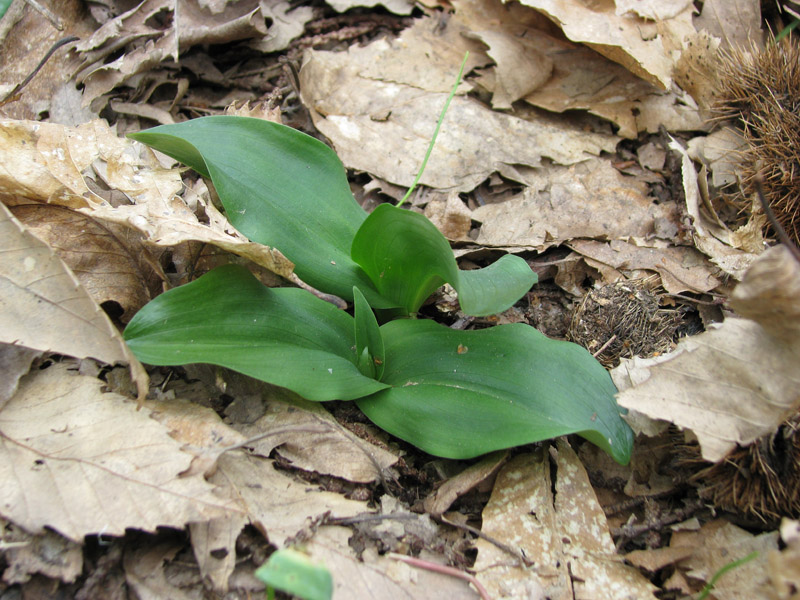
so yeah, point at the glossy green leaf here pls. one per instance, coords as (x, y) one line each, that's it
(460, 394)
(369, 343)
(284, 336)
(280, 187)
(408, 258)
(294, 573)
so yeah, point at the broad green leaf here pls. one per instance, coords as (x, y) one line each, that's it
(280, 187)
(407, 259)
(284, 336)
(460, 394)
(369, 343)
(294, 573)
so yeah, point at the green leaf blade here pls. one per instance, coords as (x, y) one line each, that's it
(369, 342)
(495, 288)
(283, 336)
(280, 187)
(460, 394)
(407, 258)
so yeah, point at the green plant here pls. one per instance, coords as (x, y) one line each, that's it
(456, 394)
(294, 573)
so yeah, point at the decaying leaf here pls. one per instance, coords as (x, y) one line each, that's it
(566, 534)
(81, 462)
(680, 268)
(378, 577)
(587, 200)
(642, 45)
(729, 385)
(374, 110)
(46, 308)
(44, 162)
(717, 544)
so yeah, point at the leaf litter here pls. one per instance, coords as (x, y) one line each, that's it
(565, 144)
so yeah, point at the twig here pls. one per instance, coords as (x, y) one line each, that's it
(609, 341)
(443, 569)
(13, 95)
(477, 532)
(46, 13)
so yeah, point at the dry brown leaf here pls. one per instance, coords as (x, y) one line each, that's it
(718, 543)
(398, 7)
(108, 260)
(48, 554)
(15, 362)
(379, 577)
(144, 572)
(383, 127)
(729, 385)
(590, 199)
(721, 152)
(26, 44)
(642, 45)
(81, 462)
(521, 68)
(711, 237)
(214, 545)
(451, 216)
(443, 497)
(784, 566)
(566, 534)
(680, 268)
(279, 506)
(44, 162)
(306, 434)
(770, 294)
(655, 559)
(737, 23)
(47, 309)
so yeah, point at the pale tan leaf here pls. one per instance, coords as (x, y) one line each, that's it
(144, 572)
(716, 545)
(770, 294)
(587, 200)
(443, 497)
(566, 535)
(48, 554)
(643, 46)
(44, 162)
(729, 385)
(363, 112)
(80, 461)
(711, 237)
(521, 69)
(737, 23)
(379, 577)
(784, 566)
(681, 268)
(279, 506)
(46, 308)
(451, 216)
(398, 7)
(214, 545)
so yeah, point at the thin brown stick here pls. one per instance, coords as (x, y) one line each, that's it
(13, 95)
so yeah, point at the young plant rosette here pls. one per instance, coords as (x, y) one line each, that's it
(452, 393)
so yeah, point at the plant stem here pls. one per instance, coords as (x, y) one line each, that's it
(436, 131)
(731, 565)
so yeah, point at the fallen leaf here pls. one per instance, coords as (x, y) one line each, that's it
(565, 533)
(783, 566)
(680, 268)
(443, 497)
(46, 308)
(398, 7)
(82, 462)
(587, 200)
(710, 236)
(378, 577)
(47, 554)
(642, 44)
(729, 385)
(15, 362)
(719, 543)
(360, 109)
(44, 162)
(737, 23)
(770, 294)
(144, 571)
(451, 216)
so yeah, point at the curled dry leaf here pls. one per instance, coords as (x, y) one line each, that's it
(81, 461)
(46, 308)
(45, 162)
(642, 45)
